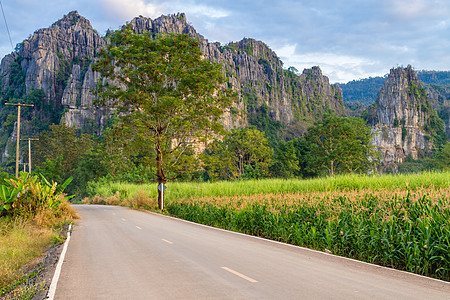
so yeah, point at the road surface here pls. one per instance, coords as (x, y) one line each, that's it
(119, 253)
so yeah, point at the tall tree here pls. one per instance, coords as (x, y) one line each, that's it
(340, 144)
(286, 162)
(62, 147)
(245, 152)
(170, 95)
(442, 158)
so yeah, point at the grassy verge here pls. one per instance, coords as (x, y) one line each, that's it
(22, 241)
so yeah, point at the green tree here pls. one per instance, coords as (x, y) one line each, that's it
(218, 162)
(442, 158)
(59, 150)
(286, 163)
(166, 92)
(340, 144)
(251, 150)
(243, 153)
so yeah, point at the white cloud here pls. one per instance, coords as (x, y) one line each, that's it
(129, 9)
(204, 11)
(407, 9)
(339, 68)
(348, 39)
(417, 9)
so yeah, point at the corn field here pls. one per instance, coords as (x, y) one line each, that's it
(409, 232)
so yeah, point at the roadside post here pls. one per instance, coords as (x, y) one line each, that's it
(162, 188)
(29, 151)
(19, 105)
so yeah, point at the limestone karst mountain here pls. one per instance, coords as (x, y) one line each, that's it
(404, 121)
(57, 61)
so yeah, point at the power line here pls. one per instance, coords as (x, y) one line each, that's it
(6, 23)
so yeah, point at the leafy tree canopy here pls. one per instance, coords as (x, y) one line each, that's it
(243, 153)
(442, 157)
(340, 144)
(168, 94)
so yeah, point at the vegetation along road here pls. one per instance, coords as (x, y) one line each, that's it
(119, 253)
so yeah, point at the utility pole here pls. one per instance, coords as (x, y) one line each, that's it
(19, 105)
(29, 151)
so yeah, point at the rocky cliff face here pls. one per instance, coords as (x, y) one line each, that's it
(57, 60)
(404, 118)
(257, 74)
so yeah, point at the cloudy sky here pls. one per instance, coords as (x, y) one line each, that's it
(348, 39)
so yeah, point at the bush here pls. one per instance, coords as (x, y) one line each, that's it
(27, 196)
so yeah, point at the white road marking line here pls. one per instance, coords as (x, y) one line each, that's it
(239, 274)
(52, 289)
(123, 219)
(168, 242)
(390, 270)
(138, 227)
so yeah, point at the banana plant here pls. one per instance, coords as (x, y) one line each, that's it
(58, 188)
(7, 197)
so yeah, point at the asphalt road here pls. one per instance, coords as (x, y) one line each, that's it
(119, 253)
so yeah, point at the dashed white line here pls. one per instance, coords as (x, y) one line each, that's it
(138, 227)
(123, 219)
(168, 242)
(239, 274)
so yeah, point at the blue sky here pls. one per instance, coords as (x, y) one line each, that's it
(348, 39)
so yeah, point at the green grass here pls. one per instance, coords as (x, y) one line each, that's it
(189, 190)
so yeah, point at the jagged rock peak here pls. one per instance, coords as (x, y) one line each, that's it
(402, 111)
(255, 48)
(315, 70)
(176, 23)
(402, 98)
(408, 73)
(73, 20)
(315, 74)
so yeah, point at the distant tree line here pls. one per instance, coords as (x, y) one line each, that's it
(334, 145)
(364, 91)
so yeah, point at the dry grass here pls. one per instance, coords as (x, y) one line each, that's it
(23, 240)
(20, 242)
(139, 200)
(47, 218)
(109, 200)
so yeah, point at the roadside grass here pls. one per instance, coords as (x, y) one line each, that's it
(342, 183)
(20, 242)
(23, 239)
